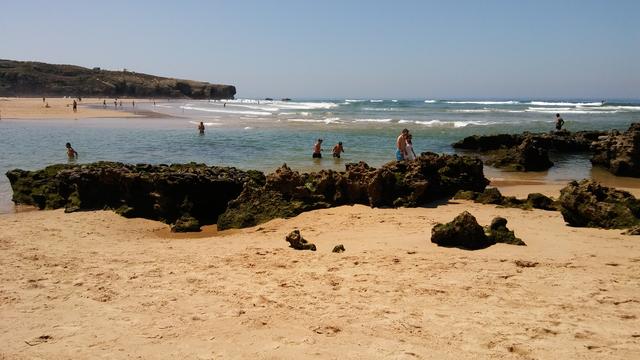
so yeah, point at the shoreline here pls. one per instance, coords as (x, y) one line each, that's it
(33, 108)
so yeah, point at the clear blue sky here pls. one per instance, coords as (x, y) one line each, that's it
(353, 49)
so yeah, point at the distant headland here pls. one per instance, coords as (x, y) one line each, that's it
(26, 78)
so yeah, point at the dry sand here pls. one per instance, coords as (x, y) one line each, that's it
(93, 284)
(60, 108)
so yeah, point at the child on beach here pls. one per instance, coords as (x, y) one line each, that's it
(71, 153)
(317, 149)
(411, 155)
(337, 150)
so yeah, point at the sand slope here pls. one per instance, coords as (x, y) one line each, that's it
(99, 285)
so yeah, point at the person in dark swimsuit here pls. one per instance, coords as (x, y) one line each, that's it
(337, 150)
(201, 127)
(317, 149)
(559, 122)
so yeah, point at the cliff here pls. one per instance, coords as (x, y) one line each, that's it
(23, 78)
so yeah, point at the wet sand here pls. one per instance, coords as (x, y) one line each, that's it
(94, 284)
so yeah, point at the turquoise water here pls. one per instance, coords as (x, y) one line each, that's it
(264, 135)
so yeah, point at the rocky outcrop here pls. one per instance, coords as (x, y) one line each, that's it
(589, 204)
(407, 183)
(493, 196)
(20, 78)
(560, 141)
(465, 232)
(296, 241)
(498, 232)
(619, 152)
(187, 196)
(528, 156)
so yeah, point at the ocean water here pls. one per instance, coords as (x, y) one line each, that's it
(258, 134)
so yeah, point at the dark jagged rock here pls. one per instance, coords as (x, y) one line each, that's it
(297, 242)
(338, 249)
(186, 223)
(233, 198)
(589, 204)
(35, 78)
(412, 183)
(490, 196)
(493, 196)
(498, 232)
(560, 141)
(540, 201)
(528, 156)
(463, 232)
(619, 152)
(167, 193)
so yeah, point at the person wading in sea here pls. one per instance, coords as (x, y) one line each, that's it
(317, 149)
(559, 122)
(401, 145)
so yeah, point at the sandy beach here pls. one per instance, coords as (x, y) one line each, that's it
(61, 108)
(93, 284)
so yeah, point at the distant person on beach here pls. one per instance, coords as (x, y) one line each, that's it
(120, 103)
(104, 104)
(201, 127)
(411, 155)
(401, 145)
(133, 103)
(317, 149)
(115, 103)
(337, 150)
(71, 153)
(559, 122)
(43, 100)
(75, 106)
(224, 105)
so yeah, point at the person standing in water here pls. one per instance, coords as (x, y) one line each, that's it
(337, 150)
(401, 145)
(201, 127)
(75, 106)
(559, 122)
(411, 155)
(317, 150)
(71, 153)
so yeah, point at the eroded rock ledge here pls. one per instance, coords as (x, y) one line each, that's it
(190, 195)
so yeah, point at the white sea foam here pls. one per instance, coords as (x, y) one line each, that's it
(394, 100)
(275, 105)
(373, 120)
(225, 111)
(402, 121)
(376, 101)
(547, 103)
(354, 100)
(431, 101)
(248, 128)
(205, 123)
(326, 121)
(510, 102)
(377, 109)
